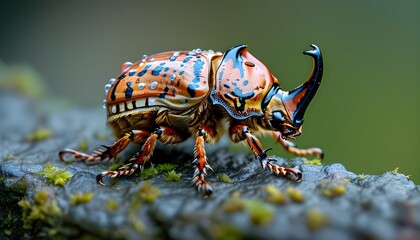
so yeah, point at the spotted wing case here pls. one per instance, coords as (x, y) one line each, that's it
(175, 80)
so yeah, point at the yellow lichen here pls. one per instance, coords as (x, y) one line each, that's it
(111, 205)
(295, 195)
(54, 175)
(274, 195)
(224, 178)
(361, 176)
(334, 191)
(316, 219)
(44, 209)
(136, 223)
(395, 171)
(234, 203)
(259, 213)
(226, 232)
(9, 157)
(313, 162)
(77, 199)
(39, 134)
(83, 145)
(147, 193)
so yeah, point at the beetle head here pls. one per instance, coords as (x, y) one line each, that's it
(286, 109)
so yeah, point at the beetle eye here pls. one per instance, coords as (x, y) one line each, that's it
(278, 119)
(249, 64)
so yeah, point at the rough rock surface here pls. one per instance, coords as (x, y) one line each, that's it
(330, 202)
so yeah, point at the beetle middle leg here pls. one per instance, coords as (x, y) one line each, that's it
(241, 132)
(204, 134)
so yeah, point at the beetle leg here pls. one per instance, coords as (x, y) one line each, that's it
(100, 154)
(138, 160)
(291, 147)
(200, 162)
(241, 132)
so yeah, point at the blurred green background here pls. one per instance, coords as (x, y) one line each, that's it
(366, 114)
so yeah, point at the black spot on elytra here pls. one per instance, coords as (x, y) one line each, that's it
(191, 89)
(165, 91)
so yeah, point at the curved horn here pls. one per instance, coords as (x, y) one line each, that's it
(297, 100)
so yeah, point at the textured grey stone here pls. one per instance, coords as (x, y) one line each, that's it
(385, 206)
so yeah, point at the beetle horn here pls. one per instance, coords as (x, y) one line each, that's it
(297, 100)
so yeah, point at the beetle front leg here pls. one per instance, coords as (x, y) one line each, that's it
(204, 134)
(138, 160)
(241, 132)
(291, 147)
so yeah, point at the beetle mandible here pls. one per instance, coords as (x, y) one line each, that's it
(171, 96)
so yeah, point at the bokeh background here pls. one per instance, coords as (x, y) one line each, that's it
(366, 114)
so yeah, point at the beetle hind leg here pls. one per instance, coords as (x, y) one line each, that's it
(137, 161)
(100, 154)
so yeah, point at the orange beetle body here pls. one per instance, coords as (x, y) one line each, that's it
(172, 96)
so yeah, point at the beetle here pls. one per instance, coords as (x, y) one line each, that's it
(171, 96)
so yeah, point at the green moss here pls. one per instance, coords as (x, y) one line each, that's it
(295, 195)
(172, 176)
(148, 173)
(9, 157)
(274, 195)
(153, 171)
(316, 219)
(77, 199)
(224, 178)
(313, 162)
(39, 134)
(165, 167)
(43, 211)
(54, 175)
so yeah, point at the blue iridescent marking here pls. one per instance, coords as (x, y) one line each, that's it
(181, 73)
(246, 82)
(198, 66)
(157, 70)
(131, 72)
(144, 70)
(173, 76)
(187, 59)
(166, 69)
